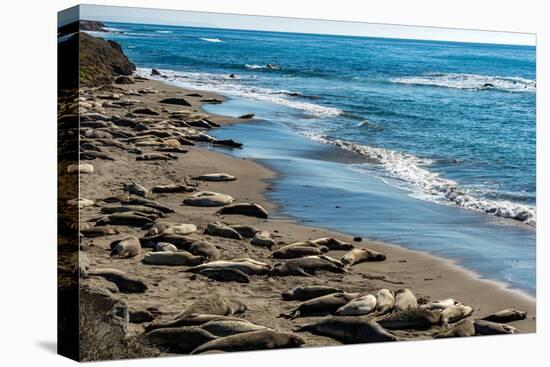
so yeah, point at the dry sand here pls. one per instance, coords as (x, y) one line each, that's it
(171, 289)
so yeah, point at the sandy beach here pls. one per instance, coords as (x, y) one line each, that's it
(171, 289)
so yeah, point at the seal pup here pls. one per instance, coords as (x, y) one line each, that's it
(309, 292)
(304, 266)
(460, 329)
(245, 265)
(124, 282)
(135, 188)
(125, 248)
(172, 258)
(327, 304)
(247, 209)
(349, 330)
(225, 275)
(358, 307)
(506, 316)
(413, 318)
(404, 300)
(180, 339)
(252, 340)
(484, 327)
(384, 301)
(222, 230)
(357, 256)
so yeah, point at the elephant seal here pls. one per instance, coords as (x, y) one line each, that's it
(132, 208)
(125, 248)
(358, 307)
(222, 328)
(506, 316)
(245, 265)
(98, 231)
(384, 301)
(349, 330)
(192, 245)
(180, 339)
(156, 157)
(307, 293)
(304, 266)
(245, 230)
(484, 327)
(404, 300)
(215, 177)
(126, 219)
(80, 168)
(455, 313)
(332, 260)
(225, 275)
(165, 247)
(297, 250)
(80, 202)
(135, 188)
(414, 318)
(188, 320)
(92, 154)
(124, 282)
(252, 340)
(170, 228)
(208, 198)
(357, 256)
(174, 188)
(333, 244)
(439, 305)
(214, 305)
(222, 230)
(247, 209)
(172, 258)
(149, 203)
(263, 239)
(327, 304)
(460, 329)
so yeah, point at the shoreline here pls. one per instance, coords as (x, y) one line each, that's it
(171, 289)
(423, 256)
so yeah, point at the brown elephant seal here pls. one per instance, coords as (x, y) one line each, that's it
(304, 266)
(357, 256)
(126, 219)
(333, 244)
(188, 320)
(300, 249)
(214, 305)
(208, 198)
(460, 329)
(215, 177)
(98, 231)
(404, 300)
(125, 248)
(484, 327)
(309, 292)
(323, 305)
(135, 188)
(349, 330)
(222, 328)
(245, 230)
(414, 318)
(263, 239)
(384, 301)
(180, 339)
(149, 203)
(170, 189)
(225, 275)
(505, 316)
(172, 258)
(222, 230)
(455, 313)
(253, 340)
(245, 265)
(132, 208)
(358, 307)
(156, 157)
(124, 282)
(247, 209)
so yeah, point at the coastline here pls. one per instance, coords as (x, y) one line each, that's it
(427, 275)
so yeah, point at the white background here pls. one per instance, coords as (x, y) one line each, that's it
(28, 181)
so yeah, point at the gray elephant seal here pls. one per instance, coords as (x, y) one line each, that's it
(455, 313)
(192, 245)
(253, 340)
(350, 330)
(98, 231)
(222, 230)
(460, 329)
(357, 256)
(404, 300)
(215, 177)
(358, 307)
(484, 327)
(135, 188)
(132, 208)
(322, 305)
(156, 157)
(505, 316)
(172, 258)
(245, 230)
(222, 328)
(189, 320)
(333, 244)
(263, 239)
(181, 339)
(307, 293)
(414, 318)
(215, 305)
(295, 251)
(245, 265)
(126, 247)
(125, 219)
(304, 266)
(384, 301)
(124, 282)
(165, 247)
(225, 275)
(248, 209)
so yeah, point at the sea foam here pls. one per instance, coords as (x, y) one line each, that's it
(211, 39)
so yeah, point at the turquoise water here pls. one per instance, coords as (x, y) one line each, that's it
(445, 131)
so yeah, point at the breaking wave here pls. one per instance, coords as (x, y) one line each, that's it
(211, 39)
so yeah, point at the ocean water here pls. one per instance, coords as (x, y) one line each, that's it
(441, 125)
